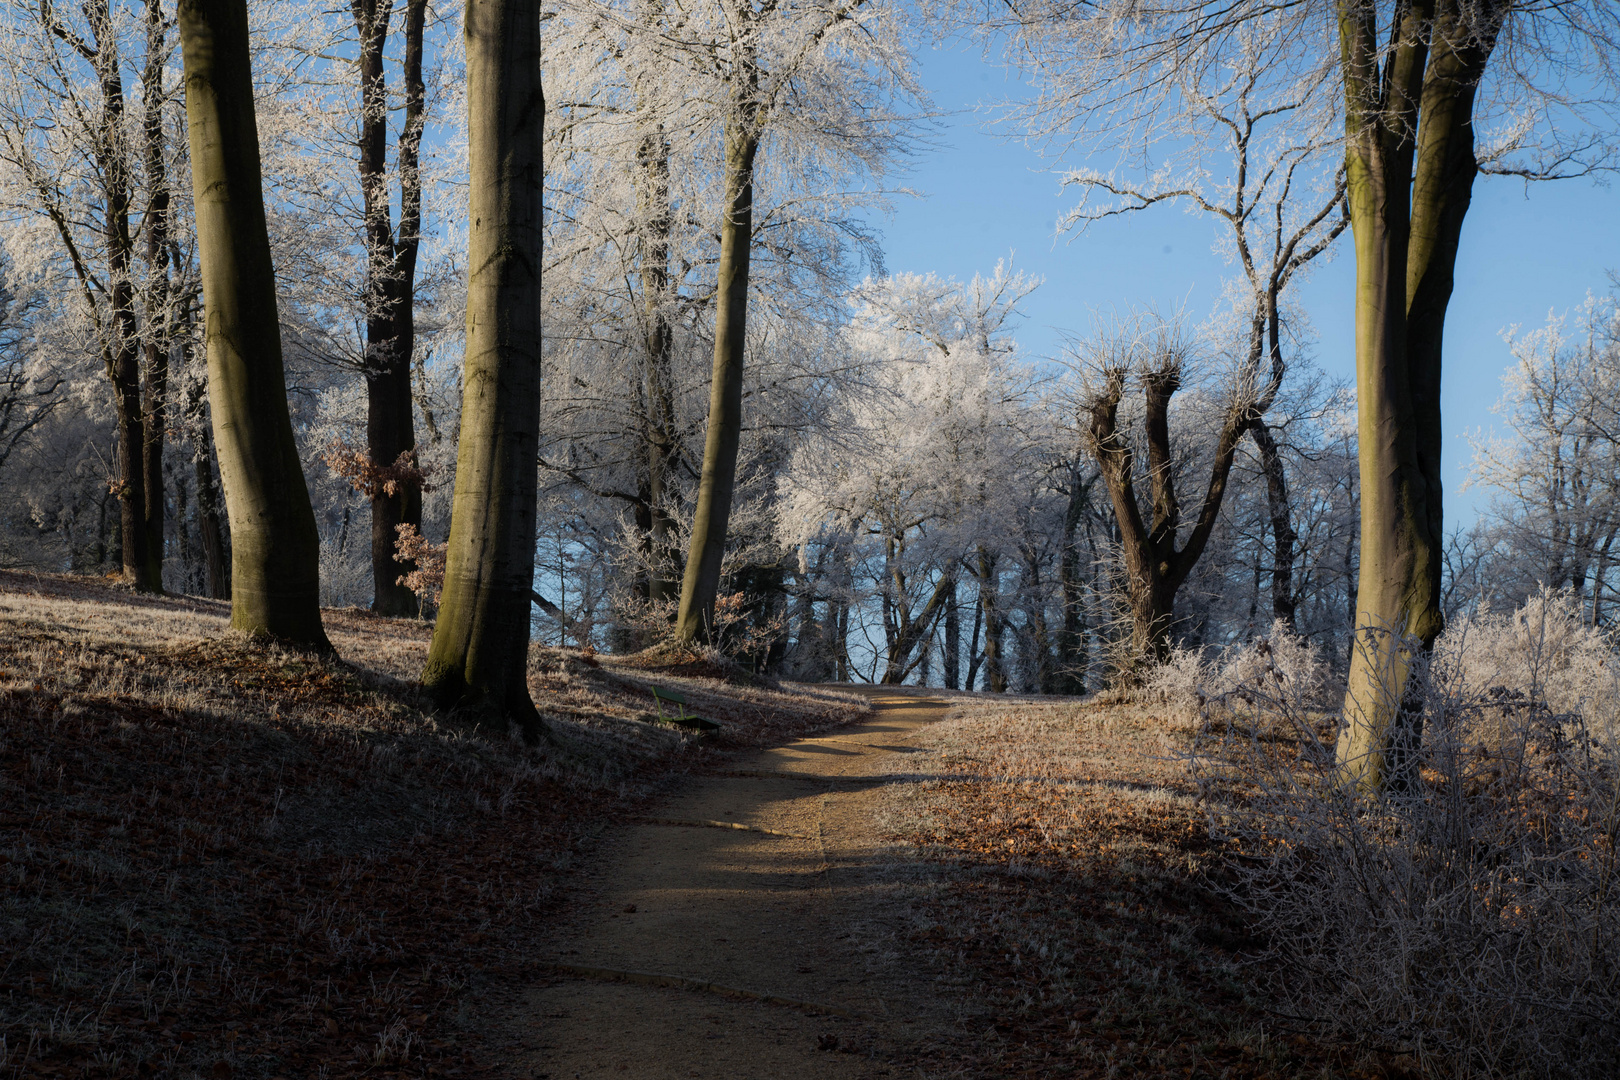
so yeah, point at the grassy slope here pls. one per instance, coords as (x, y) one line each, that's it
(1079, 901)
(218, 860)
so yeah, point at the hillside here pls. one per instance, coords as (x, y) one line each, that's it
(226, 860)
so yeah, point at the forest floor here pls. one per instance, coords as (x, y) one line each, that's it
(220, 860)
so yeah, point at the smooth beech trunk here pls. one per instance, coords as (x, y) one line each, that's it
(701, 583)
(275, 550)
(478, 662)
(1410, 170)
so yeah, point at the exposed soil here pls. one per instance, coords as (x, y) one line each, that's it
(700, 950)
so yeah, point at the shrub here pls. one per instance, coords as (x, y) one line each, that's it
(1282, 668)
(1545, 650)
(1473, 920)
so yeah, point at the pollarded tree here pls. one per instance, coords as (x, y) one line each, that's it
(1249, 134)
(275, 550)
(479, 659)
(1157, 551)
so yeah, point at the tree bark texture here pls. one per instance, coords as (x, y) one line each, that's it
(390, 287)
(662, 446)
(1410, 169)
(707, 544)
(275, 549)
(478, 661)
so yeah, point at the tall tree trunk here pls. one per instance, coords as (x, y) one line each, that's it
(275, 549)
(478, 662)
(390, 288)
(1071, 585)
(212, 533)
(953, 640)
(655, 224)
(1410, 168)
(707, 544)
(1283, 536)
(159, 316)
(143, 566)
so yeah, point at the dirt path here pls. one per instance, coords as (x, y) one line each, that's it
(809, 917)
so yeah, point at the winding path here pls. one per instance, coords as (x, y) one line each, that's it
(771, 952)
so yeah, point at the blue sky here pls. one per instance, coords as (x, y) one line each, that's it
(1525, 251)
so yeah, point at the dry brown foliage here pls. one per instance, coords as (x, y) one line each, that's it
(1080, 902)
(414, 549)
(225, 860)
(367, 477)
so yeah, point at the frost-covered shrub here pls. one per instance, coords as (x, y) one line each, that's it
(1472, 920)
(1545, 651)
(1180, 682)
(1282, 668)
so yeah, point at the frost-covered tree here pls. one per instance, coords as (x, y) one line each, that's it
(922, 464)
(87, 150)
(1556, 478)
(638, 206)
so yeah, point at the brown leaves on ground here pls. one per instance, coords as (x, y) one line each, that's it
(224, 860)
(1079, 903)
